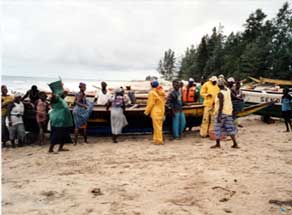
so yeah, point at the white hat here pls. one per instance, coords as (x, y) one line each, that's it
(18, 94)
(231, 79)
(221, 82)
(213, 78)
(191, 80)
(221, 76)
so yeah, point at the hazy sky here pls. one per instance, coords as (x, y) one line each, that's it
(84, 38)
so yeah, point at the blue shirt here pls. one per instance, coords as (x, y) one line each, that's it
(286, 104)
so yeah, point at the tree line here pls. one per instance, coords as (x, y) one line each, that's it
(263, 48)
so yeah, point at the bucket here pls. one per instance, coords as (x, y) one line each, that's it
(57, 87)
(213, 136)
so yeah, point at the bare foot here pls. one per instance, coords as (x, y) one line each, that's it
(52, 152)
(215, 146)
(235, 147)
(63, 150)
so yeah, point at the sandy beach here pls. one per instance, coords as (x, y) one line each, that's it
(135, 177)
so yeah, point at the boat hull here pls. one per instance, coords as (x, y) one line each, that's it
(99, 121)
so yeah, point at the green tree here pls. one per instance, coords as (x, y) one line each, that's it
(187, 63)
(282, 44)
(166, 66)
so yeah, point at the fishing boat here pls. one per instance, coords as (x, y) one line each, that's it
(265, 90)
(99, 121)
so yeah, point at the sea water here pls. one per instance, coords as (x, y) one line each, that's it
(24, 83)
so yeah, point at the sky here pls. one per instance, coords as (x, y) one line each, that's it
(110, 39)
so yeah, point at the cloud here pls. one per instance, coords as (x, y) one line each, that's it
(115, 35)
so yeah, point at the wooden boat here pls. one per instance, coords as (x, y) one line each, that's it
(264, 90)
(99, 122)
(272, 81)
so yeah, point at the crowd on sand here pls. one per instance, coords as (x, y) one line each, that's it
(222, 100)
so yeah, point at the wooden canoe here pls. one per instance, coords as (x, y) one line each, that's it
(272, 81)
(99, 122)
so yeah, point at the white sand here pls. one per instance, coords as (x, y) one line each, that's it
(134, 177)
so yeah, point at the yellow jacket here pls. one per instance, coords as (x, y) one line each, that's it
(156, 103)
(5, 101)
(213, 90)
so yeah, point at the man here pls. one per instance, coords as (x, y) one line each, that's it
(286, 108)
(14, 120)
(156, 107)
(236, 98)
(5, 101)
(200, 99)
(178, 117)
(33, 94)
(189, 92)
(209, 92)
(223, 116)
(131, 95)
(103, 96)
(222, 78)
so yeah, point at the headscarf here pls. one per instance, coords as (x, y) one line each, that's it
(213, 78)
(18, 94)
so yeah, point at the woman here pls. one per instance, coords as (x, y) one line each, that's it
(156, 108)
(118, 119)
(60, 118)
(81, 112)
(14, 120)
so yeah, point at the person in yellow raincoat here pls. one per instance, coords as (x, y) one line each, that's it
(209, 92)
(156, 108)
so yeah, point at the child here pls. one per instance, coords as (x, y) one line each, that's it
(286, 109)
(42, 115)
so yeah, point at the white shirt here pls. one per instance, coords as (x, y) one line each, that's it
(16, 114)
(102, 98)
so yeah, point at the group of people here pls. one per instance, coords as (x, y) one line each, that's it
(222, 100)
(13, 111)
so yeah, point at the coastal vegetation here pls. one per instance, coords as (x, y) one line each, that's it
(263, 48)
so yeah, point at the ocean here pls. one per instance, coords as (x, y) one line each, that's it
(24, 83)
